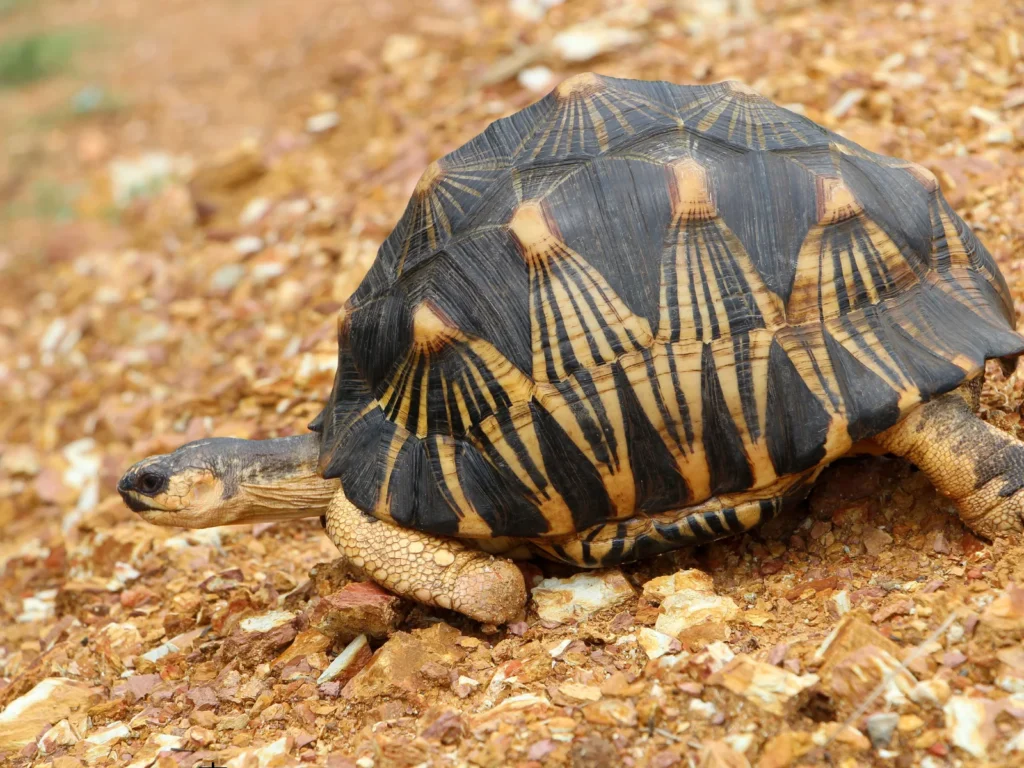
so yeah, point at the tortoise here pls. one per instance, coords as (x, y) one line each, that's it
(631, 317)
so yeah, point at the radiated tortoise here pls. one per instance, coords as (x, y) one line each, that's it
(631, 317)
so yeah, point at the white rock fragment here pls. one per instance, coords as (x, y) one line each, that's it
(688, 608)
(532, 10)
(587, 41)
(692, 579)
(267, 271)
(346, 661)
(715, 656)
(247, 245)
(575, 598)
(254, 210)
(701, 708)
(559, 648)
(840, 602)
(266, 622)
(262, 757)
(110, 734)
(846, 102)
(969, 724)
(655, 643)
(323, 122)
(774, 689)
(1002, 134)
(50, 701)
(536, 79)
(881, 727)
(930, 693)
(139, 177)
(38, 607)
(227, 277)
(60, 735)
(986, 116)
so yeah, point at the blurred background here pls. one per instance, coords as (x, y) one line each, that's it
(190, 189)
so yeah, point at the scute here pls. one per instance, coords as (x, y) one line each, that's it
(630, 297)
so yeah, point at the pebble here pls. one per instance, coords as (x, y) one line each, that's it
(773, 689)
(881, 727)
(656, 644)
(227, 277)
(323, 122)
(537, 79)
(247, 245)
(353, 658)
(359, 608)
(50, 701)
(575, 598)
(970, 724)
(586, 42)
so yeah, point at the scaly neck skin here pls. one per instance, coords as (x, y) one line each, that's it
(274, 479)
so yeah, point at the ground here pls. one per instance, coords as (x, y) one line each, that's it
(189, 190)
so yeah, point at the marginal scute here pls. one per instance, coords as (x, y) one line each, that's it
(927, 178)
(836, 202)
(693, 198)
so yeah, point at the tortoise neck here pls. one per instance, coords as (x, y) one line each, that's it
(276, 479)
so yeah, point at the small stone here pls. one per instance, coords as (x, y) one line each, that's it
(718, 754)
(970, 723)
(360, 608)
(688, 609)
(612, 712)
(396, 669)
(323, 122)
(60, 735)
(656, 644)
(846, 102)
(112, 733)
(659, 588)
(226, 278)
(254, 210)
(940, 544)
(880, 728)
(930, 693)
(860, 672)
(774, 690)
(953, 659)
(261, 637)
(580, 692)
(1002, 134)
(785, 748)
(586, 41)
(536, 79)
(1002, 622)
(273, 754)
(50, 701)
(347, 664)
(876, 541)
(247, 245)
(575, 598)
(309, 642)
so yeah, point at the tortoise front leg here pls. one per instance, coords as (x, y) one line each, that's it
(980, 467)
(430, 569)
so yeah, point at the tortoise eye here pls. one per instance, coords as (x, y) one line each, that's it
(150, 482)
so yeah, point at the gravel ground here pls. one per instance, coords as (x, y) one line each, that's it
(184, 208)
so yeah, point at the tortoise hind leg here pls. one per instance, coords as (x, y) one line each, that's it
(980, 467)
(625, 541)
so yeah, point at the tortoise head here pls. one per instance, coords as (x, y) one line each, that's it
(223, 480)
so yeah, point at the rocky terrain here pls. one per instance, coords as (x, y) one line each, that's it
(185, 204)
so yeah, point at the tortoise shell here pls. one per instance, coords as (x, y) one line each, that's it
(631, 297)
